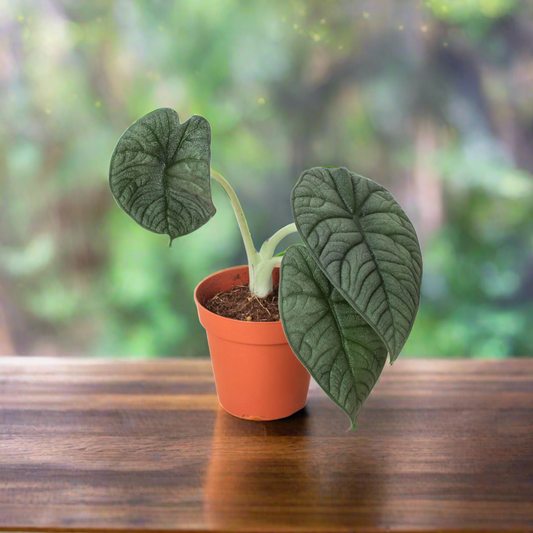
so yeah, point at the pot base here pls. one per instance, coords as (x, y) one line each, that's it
(258, 418)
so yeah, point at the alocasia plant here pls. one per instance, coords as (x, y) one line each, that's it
(348, 296)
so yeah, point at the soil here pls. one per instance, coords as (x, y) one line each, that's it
(240, 304)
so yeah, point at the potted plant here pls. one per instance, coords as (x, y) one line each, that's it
(348, 295)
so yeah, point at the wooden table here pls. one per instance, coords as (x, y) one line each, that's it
(109, 445)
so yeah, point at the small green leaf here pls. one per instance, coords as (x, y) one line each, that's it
(339, 349)
(160, 173)
(365, 244)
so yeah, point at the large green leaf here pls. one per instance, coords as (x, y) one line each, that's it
(160, 173)
(365, 244)
(341, 351)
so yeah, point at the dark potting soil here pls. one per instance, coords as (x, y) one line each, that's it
(240, 304)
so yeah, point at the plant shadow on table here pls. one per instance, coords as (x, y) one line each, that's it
(290, 472)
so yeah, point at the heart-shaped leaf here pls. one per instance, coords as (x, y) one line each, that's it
(339, 349)
(365, 244)
(160, 173)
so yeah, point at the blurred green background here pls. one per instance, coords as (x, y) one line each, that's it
(432, 99)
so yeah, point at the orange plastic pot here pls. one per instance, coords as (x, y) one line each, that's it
(257, 375)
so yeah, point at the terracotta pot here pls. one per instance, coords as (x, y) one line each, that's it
(257, 375)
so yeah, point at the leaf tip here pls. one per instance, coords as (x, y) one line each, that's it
(170, 243)
(392, 358)
(352, 424)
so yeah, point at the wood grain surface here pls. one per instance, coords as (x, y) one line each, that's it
(109, 445)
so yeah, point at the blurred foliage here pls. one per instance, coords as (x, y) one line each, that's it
(433, 100)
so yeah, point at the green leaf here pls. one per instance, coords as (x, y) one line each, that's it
(160, 173)
(365, 244)
(339, 349)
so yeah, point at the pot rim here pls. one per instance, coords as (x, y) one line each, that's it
(220, 317)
